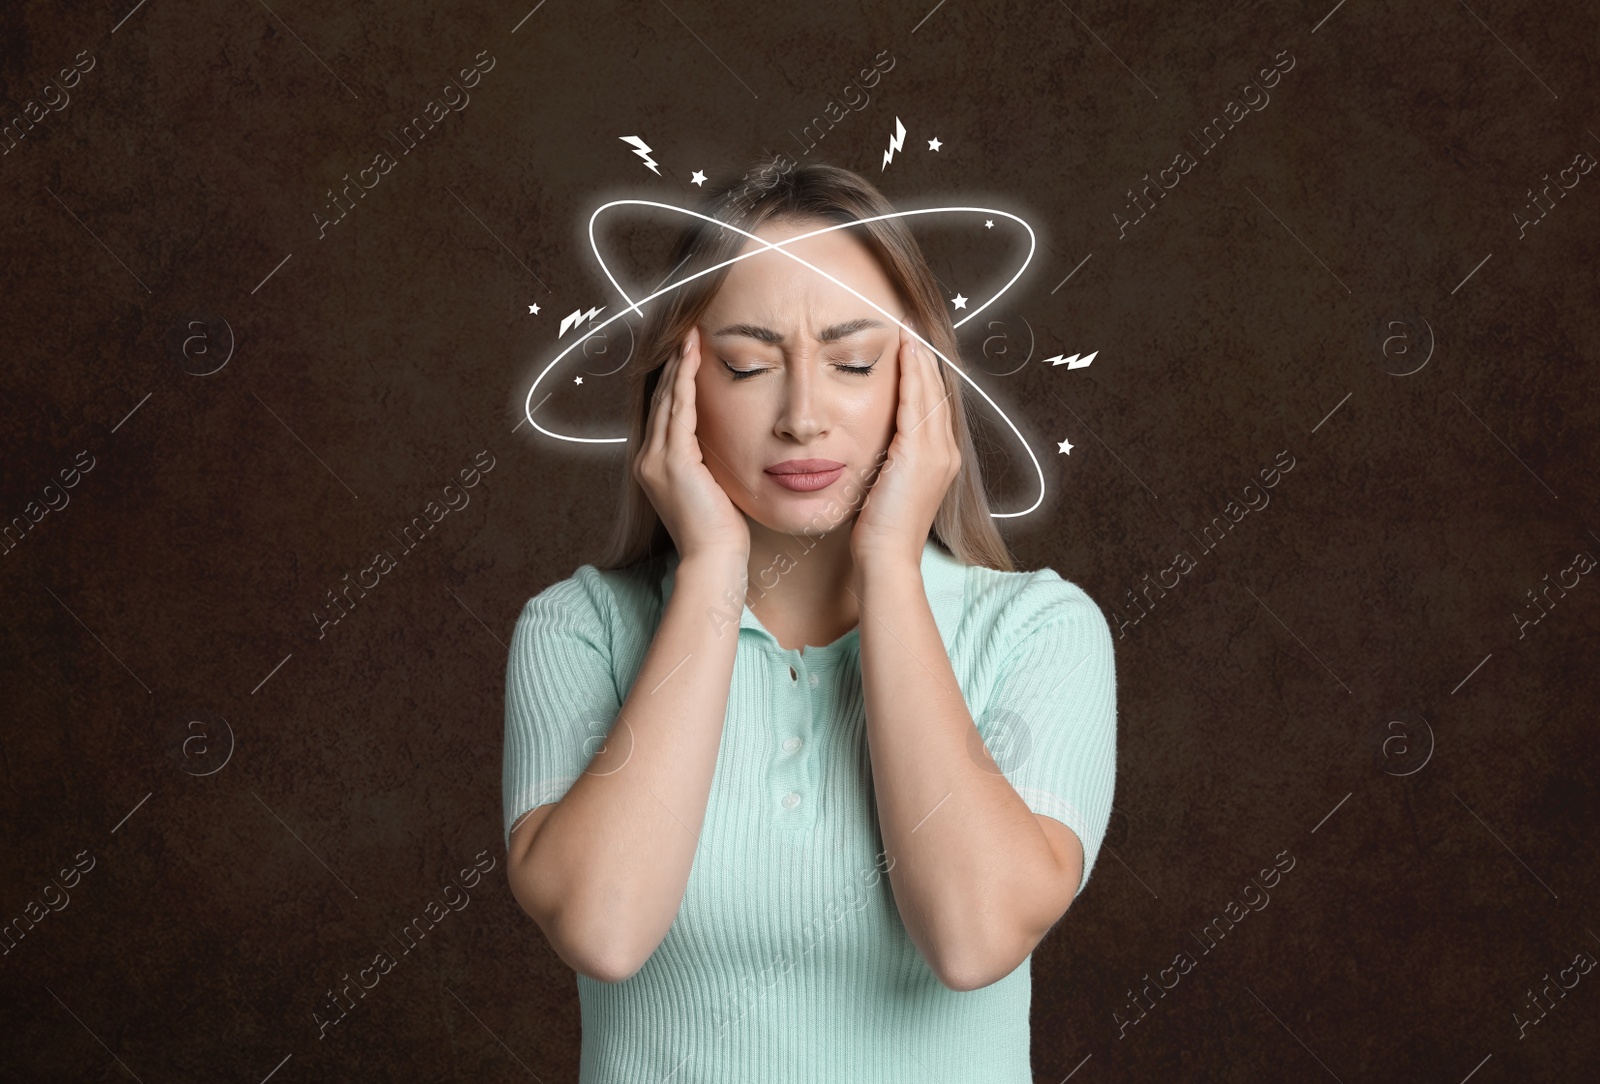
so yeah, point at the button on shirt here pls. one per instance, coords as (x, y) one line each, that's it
(787, 960)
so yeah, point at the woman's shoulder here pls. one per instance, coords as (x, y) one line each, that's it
(1023, 601)
(604, 592)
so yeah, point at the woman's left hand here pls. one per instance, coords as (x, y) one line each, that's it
(923, 459)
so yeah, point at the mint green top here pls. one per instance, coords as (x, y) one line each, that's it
(788, 960)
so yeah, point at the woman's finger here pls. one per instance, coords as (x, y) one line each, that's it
(938, 398)
(914, 386)
(946, 409)
(660, 407)
(681, 426)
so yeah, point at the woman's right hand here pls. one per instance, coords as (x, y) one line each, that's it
(696, 510)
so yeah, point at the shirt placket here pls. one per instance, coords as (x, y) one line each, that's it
(793, 771)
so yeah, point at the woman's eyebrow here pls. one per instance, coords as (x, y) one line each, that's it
(829, 334)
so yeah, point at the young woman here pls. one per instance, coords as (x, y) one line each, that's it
(798, 775)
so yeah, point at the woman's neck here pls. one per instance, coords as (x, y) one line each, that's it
(801, 586)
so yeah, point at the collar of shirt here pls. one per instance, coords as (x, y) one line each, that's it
(944, 579)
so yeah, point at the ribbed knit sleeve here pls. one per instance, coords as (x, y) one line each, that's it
(561, 693)
(1051, 721)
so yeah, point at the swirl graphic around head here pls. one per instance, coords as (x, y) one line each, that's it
(782, 248)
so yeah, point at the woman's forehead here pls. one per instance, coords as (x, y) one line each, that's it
(818, 326)
(778, 316)
(783, 288)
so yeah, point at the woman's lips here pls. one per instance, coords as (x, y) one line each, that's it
(806, 483)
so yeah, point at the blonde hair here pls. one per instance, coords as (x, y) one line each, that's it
(962, 525)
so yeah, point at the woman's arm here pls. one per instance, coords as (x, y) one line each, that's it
(604, 870)
(976, 880)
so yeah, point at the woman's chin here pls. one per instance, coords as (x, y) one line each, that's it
(805, 523)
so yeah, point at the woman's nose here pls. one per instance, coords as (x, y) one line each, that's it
(802, 413)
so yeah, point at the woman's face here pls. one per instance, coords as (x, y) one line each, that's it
(823, 378)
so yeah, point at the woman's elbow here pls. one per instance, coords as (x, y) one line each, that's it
(595, 954)
(601, 958)
(980, 966)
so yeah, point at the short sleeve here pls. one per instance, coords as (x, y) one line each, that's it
(1051, 720)
(561, 693)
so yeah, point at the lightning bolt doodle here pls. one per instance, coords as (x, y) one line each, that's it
(577, 316)
(895, 144)
(1072, 362)
(642, 149)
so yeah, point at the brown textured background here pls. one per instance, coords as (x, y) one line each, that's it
(1249, 313)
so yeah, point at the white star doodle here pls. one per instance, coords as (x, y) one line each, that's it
(533, 310)
(934, 144)
(959, 302)
(1066, 446)
(577, 380)
(988, 223)
(698, 178)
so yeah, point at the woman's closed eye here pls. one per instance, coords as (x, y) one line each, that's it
(744, 374)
